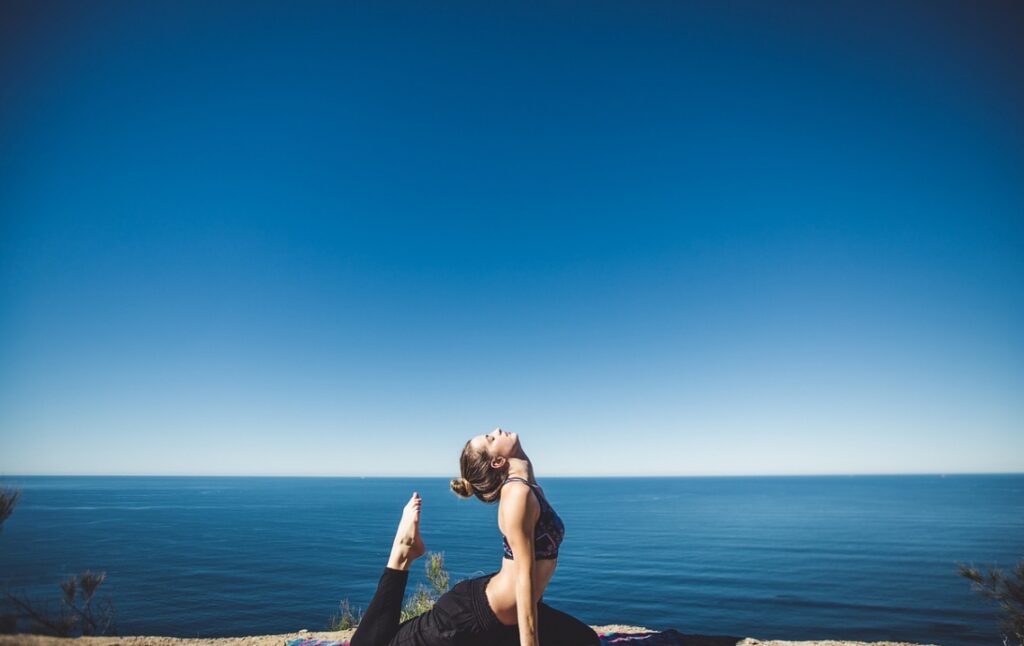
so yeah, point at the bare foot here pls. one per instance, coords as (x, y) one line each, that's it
(408, 545)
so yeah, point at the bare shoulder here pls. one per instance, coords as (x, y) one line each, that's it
(516, 500)
(513, 487)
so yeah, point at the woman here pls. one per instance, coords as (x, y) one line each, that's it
(501, 608)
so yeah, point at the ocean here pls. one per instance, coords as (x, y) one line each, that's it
(841, 557)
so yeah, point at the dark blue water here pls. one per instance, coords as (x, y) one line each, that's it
(799, 558)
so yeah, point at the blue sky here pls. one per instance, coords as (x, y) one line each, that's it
(653, 238)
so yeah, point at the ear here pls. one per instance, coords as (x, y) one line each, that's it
(498, 462)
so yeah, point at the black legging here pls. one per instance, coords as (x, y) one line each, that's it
(461, 616)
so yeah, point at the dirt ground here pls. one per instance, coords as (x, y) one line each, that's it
(280, 640)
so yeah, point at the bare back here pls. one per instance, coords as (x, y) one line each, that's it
(501, 589)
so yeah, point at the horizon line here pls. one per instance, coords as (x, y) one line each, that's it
(941, 474)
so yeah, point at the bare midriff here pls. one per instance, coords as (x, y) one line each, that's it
(501, 589)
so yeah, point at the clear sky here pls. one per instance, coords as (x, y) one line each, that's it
(662, 238)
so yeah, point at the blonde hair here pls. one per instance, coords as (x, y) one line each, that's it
(478, 478)
(462, 487)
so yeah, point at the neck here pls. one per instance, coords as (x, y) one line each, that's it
(520, 467)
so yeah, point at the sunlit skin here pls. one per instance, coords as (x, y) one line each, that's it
(517, 507)
(522, 578)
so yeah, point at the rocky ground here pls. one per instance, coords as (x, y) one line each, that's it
(279, 640)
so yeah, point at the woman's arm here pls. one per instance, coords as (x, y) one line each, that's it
(521, 512)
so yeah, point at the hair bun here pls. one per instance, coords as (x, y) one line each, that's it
(462, 487)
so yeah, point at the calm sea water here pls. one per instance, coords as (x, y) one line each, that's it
(799, 558)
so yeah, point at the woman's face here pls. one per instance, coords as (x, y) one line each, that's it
(497, 443)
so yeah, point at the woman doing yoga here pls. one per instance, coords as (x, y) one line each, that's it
(503, 608)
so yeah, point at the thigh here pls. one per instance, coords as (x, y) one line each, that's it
(420, 631)
(557, 628)
(450, 621)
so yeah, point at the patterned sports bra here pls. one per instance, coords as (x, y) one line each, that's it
(550, 530)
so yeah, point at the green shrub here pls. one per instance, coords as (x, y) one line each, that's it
(1007, 590)
(80, 611)
(422, 600)
(8, 499)
(8, 617)
(346, 618)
